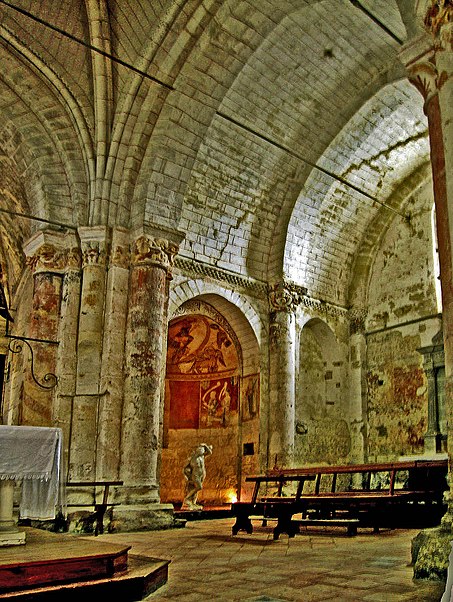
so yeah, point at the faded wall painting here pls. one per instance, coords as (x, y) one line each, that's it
(202, 366)
(250, 397)
(219, 402)
(207, 399)
(197, 345)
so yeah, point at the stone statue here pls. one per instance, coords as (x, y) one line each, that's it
(195, 473)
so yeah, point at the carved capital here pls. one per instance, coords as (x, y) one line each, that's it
(94, 252)
(47, 258)
(357, 319)
(286, 296)
(49, 251)
(154, 251)
(120, 256)
(430, 373)
(424, 76)
(95, 245)
(73, 258)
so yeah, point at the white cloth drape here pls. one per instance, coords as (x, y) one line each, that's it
(32, 454)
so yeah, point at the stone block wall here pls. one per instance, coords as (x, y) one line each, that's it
(402, 317)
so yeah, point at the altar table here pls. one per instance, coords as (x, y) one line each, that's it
(30, 455)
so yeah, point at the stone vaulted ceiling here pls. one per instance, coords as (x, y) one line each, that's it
(277, 135)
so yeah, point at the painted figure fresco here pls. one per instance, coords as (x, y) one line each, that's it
(202, 365)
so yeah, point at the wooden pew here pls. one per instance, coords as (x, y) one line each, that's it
(280, 507)
(351, 507)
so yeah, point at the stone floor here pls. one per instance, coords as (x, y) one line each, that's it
(208, 563)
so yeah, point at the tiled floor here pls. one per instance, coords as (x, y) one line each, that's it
(208, 563)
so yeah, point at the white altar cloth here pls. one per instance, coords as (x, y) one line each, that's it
(32, 454)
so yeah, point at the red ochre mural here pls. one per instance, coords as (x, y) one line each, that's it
(202, 374)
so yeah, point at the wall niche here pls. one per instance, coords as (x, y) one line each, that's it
(434, 367)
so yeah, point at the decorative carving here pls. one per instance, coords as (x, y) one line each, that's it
(256, 288)
(286, 296)
(156, 251)
(439, 21)
(94, 253)
(120, 256)
(324, 307)
(235, 280)
(47, 258)
(357, 317)
(73, 258)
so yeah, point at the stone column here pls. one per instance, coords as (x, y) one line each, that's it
(95, 244)
(433, 361)
(432, 435)
(9, 533)
(66, 365)
(357, 384)
(283, 300)
(429, 62)
(45, 253)
(146, 339)
(112, 375)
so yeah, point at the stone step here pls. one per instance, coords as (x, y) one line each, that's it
(51, 566)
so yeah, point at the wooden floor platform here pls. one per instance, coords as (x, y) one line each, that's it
(53, 566)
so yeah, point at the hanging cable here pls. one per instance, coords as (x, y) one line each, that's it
(108, 55)
(37, 219)
(310, 164)
(370, 15)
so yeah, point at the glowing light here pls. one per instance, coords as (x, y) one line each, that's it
(231, 497)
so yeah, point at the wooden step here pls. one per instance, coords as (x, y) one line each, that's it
(143, 576)
(51, 565)
(54, 558)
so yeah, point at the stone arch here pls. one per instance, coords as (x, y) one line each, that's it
(322, 429)
(47, 136)
(320, 252)
(237, 308)
(235, 437)
(365, 256)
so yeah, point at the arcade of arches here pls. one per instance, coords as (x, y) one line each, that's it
(226, 221)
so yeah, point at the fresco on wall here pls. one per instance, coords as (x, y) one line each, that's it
(250, 397)
(219, 402)
(185, 410)
(199, 347)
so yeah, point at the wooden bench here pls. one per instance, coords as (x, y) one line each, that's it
(277, 506)
(98, 507)
(385, 505)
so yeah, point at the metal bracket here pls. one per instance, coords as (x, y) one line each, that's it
(16, 346)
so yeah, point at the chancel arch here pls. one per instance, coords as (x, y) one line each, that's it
(211, 396)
